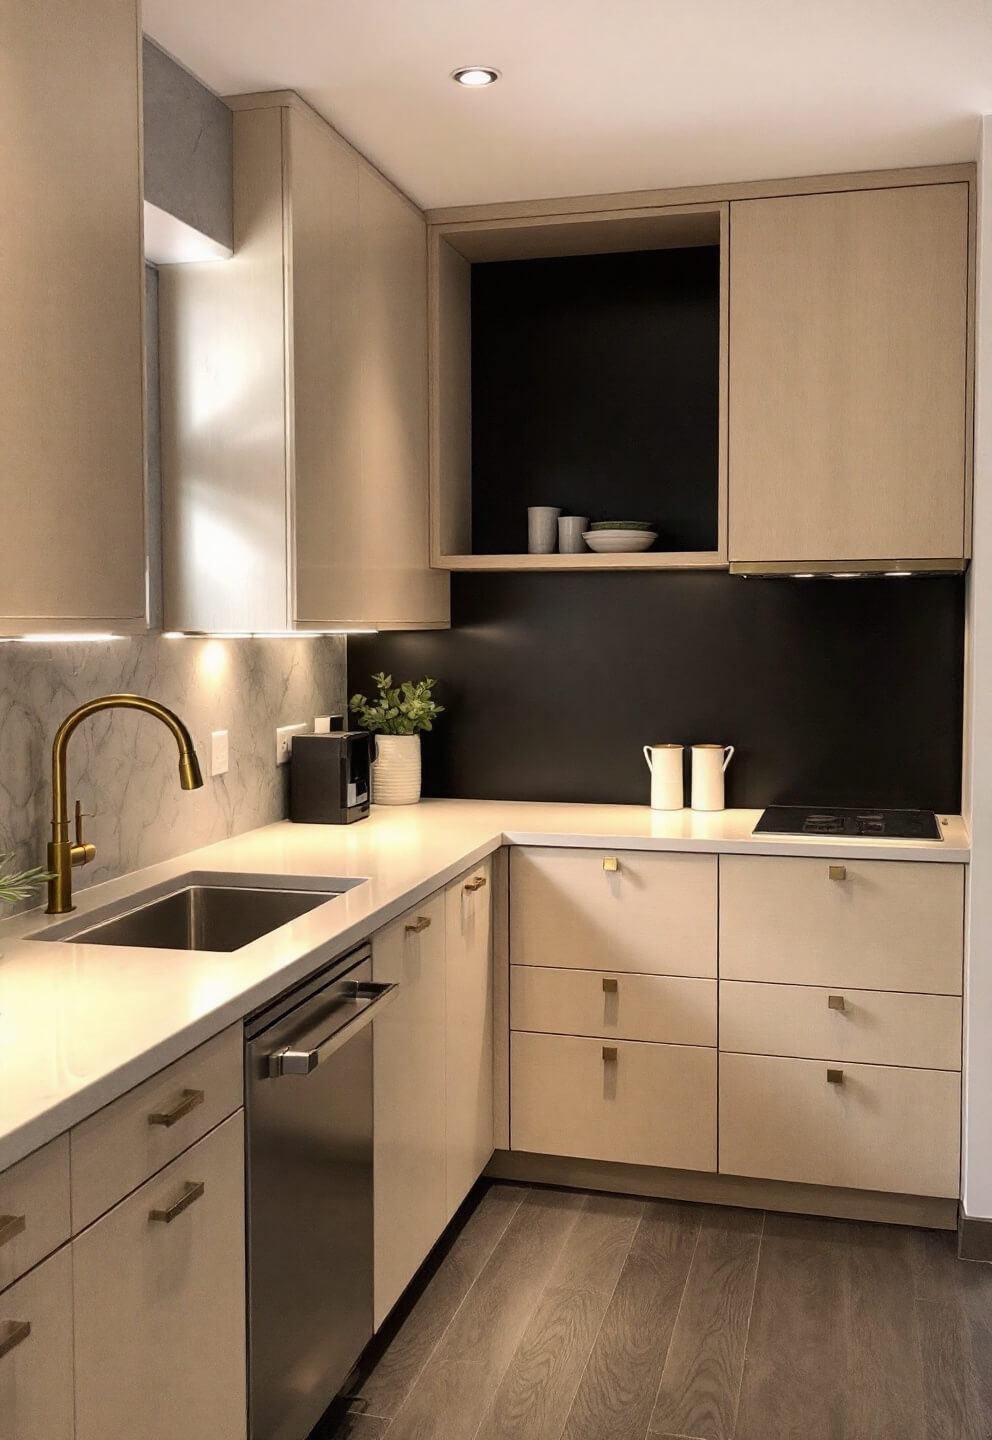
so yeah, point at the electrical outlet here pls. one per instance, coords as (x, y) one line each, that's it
(219, 752)
(284, 741)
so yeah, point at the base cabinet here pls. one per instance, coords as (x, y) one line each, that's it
(36, 1354)
(468, 1041)
(159, 1303)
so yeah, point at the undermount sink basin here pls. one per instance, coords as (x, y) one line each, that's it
(201, 912)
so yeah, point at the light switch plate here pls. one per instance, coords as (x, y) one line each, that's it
(284, 741)
(219, 752)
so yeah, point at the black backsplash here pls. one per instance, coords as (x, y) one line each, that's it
(835, 692)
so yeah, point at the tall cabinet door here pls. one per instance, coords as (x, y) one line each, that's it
(409, 1106)
(848, 338)
(469, 1027)
(71, 307)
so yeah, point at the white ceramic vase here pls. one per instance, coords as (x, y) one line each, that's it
(396, 770)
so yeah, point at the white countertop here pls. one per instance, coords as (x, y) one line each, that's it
(81, 1024)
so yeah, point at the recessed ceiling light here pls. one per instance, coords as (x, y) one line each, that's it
(475, 76)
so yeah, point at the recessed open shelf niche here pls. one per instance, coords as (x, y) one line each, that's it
(580, 361)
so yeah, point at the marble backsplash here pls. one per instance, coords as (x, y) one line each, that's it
(123, 766)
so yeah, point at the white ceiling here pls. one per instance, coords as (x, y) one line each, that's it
(601, 95)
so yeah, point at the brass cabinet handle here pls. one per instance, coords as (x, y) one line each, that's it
(12, 1334)
(190, 1100)
(478, 883)
(422, 922)
(11, 1225)
(836, 1002)
(192, 1191)
(835, 1077)
(609, 985)
(611, 863)
(610, 1054)
(838, 872)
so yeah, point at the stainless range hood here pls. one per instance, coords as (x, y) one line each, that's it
(844, 569)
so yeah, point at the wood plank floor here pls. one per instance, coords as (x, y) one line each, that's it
(559, 1315)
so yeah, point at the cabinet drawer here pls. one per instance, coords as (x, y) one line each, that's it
(664, 1008)
(36, 1371)
(129, 1140)
(34, 1209)
(872, 1026)
(881, 1128)
(652, 1105)
(159, 1306)
(881, 925)
(654, 913)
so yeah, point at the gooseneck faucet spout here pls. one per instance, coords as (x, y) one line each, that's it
(64, 853)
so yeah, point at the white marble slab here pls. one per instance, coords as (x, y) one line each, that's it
(81, 1024)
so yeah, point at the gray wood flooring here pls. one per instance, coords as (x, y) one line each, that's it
(558, 1315)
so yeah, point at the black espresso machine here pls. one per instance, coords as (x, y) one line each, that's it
(330, 777)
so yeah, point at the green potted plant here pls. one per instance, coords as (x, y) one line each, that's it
(396, 716)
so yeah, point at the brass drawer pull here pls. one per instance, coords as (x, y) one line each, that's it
(12, 1334)
(836, 1002)
(478, 883)
(838, 872)
(422, 922)
(190, 1100)
(610, 1054)
(11, 1225)
(609, 986)
(835, 1077)
(611, 864)
(192, 1191)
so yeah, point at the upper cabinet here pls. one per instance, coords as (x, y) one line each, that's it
(294, 394)
(849, 375)
(71, 315)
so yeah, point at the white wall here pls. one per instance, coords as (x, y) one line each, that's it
(978, 743)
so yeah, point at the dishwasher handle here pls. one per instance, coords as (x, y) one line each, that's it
(370, 999)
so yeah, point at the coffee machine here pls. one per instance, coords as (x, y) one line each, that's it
(330, 777)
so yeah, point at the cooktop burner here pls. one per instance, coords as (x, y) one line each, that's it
(884, 824)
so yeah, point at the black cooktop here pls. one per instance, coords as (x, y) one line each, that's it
(845, 821)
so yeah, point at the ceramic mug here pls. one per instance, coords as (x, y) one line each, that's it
(542, 529)
(571, 529)
(665, 764)
(708, 764)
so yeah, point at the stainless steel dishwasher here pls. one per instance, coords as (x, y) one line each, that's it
(308, 1073)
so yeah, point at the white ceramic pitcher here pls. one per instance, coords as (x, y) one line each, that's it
(665, 764)
(708, 764)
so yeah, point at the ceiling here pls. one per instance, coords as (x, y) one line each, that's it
(602, 95)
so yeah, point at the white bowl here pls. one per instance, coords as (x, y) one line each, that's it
(619, 542)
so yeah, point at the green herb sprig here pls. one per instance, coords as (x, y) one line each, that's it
(397, 710)
(20, 884)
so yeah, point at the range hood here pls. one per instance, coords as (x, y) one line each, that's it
(844, 569)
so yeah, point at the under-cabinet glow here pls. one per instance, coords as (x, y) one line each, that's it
(67, 639)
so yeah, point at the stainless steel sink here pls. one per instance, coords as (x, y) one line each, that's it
(200, 912)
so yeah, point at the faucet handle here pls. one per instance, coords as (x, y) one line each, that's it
(82, 853)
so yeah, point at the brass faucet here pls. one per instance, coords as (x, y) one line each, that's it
(63, 853)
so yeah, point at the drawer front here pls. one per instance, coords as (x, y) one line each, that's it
(667, 1009)
(654, 914)
(120, 1146)
(34, 1209)
(871, 1026)
(871, 924)
(36, 1401)
(881, 1128)
(652, 1105)
(159, 1306)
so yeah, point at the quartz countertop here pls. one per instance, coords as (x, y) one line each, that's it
(81, 1024)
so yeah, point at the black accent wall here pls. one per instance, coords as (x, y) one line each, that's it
(836, 692)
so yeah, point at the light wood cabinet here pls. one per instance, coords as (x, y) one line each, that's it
(866, 924)
(871, 1127)
(663, 1008)
(849, 376)
(410, 1204)
(36, 1399)
(294, 393)
(34, 1209)
(635, 1103)
(159, 1303)
(634, 910)
(71, 316)
(468, 1045)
